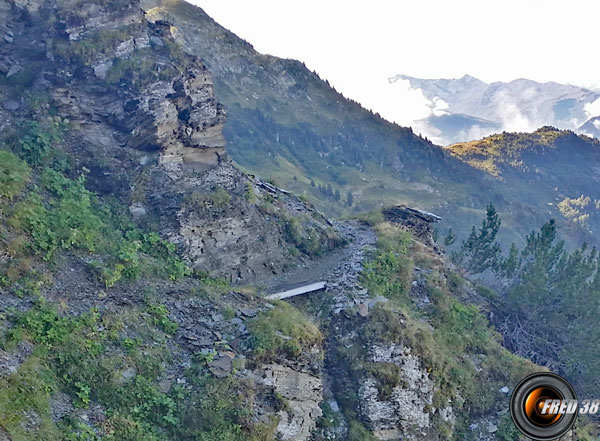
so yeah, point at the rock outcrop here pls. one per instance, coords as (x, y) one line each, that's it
(302, 392)
(161, 101)
(144, 122)
(417, 221)
(408, 411)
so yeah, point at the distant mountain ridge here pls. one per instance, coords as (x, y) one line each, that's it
(469, 108)
(591, 127)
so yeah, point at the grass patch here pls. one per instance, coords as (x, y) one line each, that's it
(388, 272)
(81, 355)
(60, 214)
(282, 331)
(24, 392)
(218, 200)
(388, 376)
(306, 238)
(371, 218)
(358, 432)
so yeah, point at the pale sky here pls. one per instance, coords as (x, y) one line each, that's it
(357, 45)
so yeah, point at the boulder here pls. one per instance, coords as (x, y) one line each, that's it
(303, 393)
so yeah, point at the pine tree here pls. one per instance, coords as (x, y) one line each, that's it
(329, 191)
(349, 199)
(450, 238)
(549, 298)
(481, 251)
(337, 195)
(511, 264)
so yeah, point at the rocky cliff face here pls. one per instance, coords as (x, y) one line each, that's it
(404, 414)
(303, 394)
(148, 127)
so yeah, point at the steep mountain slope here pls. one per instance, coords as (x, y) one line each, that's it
(519, 105)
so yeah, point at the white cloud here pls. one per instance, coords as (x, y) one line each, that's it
(351, 44)
(513, 120)
(401, 104)
(439, 107)
(475, 132)
(593, 109)
(528, 93)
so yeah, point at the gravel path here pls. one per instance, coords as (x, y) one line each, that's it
(340, 269)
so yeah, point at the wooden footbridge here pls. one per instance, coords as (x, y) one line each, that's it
(299, 290)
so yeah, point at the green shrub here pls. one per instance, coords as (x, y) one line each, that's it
(44, 324)
(388, 275)
(358, 432)
(507, 430)
(388, 376)
(81, 432)
(14, 175)
(160, 317)
(122, 428)
(388, 272)
(70, 221)
(218, 200)
(283, 331)
(37, 140)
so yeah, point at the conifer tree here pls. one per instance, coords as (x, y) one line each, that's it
(450, 238)
(510, 265)
(349, 199)
(481, 251)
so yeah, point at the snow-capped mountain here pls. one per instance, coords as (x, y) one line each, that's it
(591, 127)
(468, 108)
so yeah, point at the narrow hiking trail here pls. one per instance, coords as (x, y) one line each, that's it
(340, 269)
